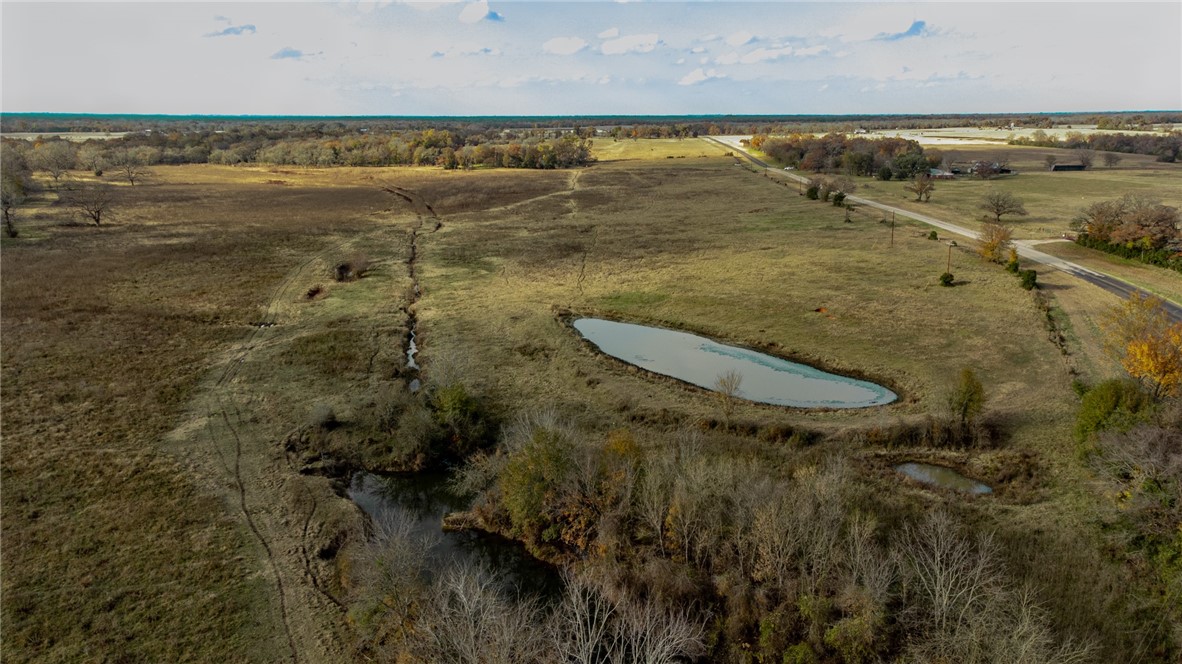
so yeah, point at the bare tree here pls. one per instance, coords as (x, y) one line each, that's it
(14, 186)
(1050, 160)
(998, 203)
(469, 620)
(130, 164)
(1086, 157)
(389, 569)
(922, 186)
(951, 576)
(1111, 159)
(55, 158)
(727, 385)
(584, 626)
(654, 498)
(653, 635)
(91, 158)
(93, 201)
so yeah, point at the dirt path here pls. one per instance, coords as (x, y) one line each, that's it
(233, 442)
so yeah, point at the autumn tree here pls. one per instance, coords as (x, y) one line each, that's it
(998, 203)
(1148, 345)
(996, 240)
(1130, 219)
(922, 186)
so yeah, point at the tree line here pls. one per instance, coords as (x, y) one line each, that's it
(886, 158)
(429, 147)
(1133, 226)
(1166, 147)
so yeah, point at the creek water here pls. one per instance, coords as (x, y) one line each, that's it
(942, 477)
(425, 498)
(701, 361)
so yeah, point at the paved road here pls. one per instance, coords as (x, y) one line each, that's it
(1025, 247)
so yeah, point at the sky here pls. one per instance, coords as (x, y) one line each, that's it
(486, 57)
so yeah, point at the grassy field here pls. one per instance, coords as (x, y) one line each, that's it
(154, 368)
(114, 549)
(1052, 200)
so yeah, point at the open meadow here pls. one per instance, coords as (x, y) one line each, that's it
(172, 481)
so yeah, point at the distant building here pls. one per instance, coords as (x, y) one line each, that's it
(1068, 167)
(941, 174)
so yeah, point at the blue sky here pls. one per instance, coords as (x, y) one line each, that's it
(547, 58)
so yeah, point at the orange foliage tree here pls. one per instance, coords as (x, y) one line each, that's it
(1148, 345)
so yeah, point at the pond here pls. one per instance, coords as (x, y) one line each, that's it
(425, 497)
(942, 477)
(701, 361)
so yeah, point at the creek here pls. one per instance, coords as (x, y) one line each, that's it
(425, 498)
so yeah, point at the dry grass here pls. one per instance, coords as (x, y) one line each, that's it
(113, 550)
(113, 338)
(1157, 280)
(1052, 199)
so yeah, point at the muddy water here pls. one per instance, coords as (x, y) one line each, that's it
(425, 498)
(700, 361)
(942, 477)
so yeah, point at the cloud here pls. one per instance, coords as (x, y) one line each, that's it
(700, 75)
(466, 50)
(764, 54)
(288, 53)
(740, 38)
(234, 30)
(631, 44)
(475, 12)
(564, 45)
(823, 88)
(815, 50)
(610, 33)
(917, 29)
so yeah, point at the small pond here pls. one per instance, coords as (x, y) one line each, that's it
(700, 361)
(426, 498)
(942, 477)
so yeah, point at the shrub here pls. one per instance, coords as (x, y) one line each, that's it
(1114, 404)
(932, 236)
(1029, 279)
(813, 192)
(946, 279)
(885, 173)
(839, 198)
(460, 416)
(323, 416)
(967, 399)
(801, 653)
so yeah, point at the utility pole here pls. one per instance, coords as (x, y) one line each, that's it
(892, 228)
